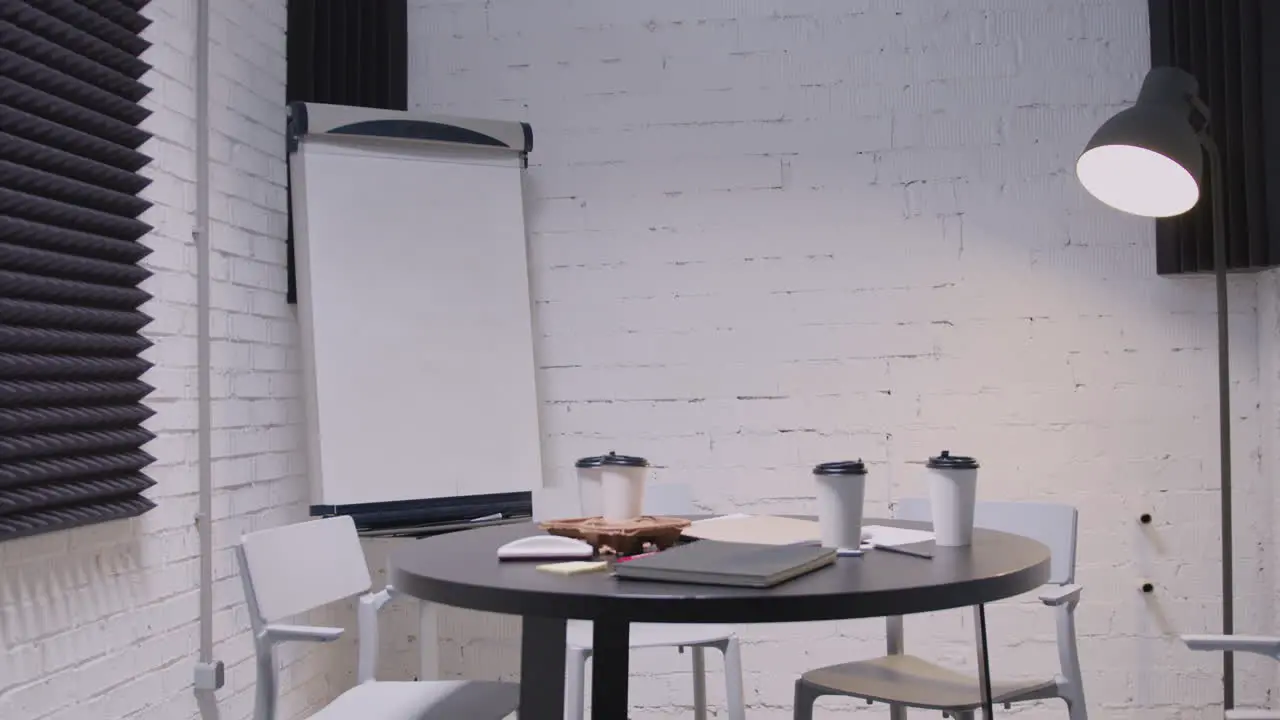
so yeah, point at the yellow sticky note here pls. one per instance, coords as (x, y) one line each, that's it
(574, 567)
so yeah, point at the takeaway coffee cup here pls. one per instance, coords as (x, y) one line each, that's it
(842, 486)
(953, 490)
(612, 486)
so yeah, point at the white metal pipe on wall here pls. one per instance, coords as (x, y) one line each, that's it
(207, 676)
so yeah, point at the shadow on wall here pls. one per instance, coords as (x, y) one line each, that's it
(474, 645)
(67, 580)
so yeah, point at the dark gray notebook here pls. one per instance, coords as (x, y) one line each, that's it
(708, 562)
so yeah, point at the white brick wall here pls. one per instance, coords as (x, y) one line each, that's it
(101, 623)
(771, 233)
(764, 234)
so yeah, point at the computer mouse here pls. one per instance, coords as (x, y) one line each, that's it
(545, 547)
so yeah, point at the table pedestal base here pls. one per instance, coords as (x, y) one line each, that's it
(984, 660)
(542, 668)
(610, 654)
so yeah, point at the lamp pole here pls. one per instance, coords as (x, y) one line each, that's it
(1224, 409)
(1159, 139)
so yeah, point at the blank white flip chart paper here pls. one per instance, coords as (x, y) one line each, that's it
(413, 300)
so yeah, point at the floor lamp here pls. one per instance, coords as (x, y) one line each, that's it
(1146, 160)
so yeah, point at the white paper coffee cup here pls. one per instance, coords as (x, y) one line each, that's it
(842, 488)
(612, 486)
(953, 493)
(590, 502)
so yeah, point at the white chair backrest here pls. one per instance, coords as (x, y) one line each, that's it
(294, 568)
(659, 499)
(1050, 523)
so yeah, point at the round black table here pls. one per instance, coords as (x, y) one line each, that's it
(462, 569)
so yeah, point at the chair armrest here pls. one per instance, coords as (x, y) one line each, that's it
(378, 599)
(1260, 644)
(305, 633)
(367, 642)
(1061, 595)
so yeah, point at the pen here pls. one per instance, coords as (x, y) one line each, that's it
(487, 518)
(637, 556)
(904, 551)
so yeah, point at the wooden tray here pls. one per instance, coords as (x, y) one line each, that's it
(620, 538)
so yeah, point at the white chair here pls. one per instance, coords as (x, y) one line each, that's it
(292, 569)
(1258, 644)
(907, 681)
(660, 499)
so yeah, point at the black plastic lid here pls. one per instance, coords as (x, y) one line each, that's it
(947, 461)
(842, 467)
(612, 458)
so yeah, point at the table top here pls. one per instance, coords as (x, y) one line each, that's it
(462, 569)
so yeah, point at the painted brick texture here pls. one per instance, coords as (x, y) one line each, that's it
(101, 623)
(763, 234)
(766, 234)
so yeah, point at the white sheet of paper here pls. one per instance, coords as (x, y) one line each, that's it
(758, 529)
(731, 516)
(884, 535)
(773, 530)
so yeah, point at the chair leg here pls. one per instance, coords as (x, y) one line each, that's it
(575, 686)
(1076, 709)
(967, 715)
(699, 683)
(806, 696)
(734, 699)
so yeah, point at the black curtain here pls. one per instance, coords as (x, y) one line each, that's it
(346, 52)
(1233, 49)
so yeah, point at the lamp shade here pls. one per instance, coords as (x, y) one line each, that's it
(1146, 160)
